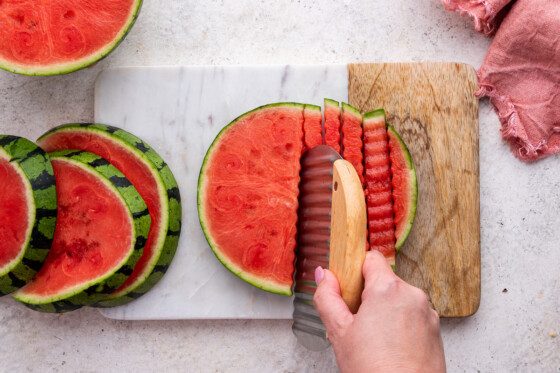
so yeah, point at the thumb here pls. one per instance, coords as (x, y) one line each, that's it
(329, 303)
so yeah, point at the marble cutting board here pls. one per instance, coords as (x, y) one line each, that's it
(179, 111)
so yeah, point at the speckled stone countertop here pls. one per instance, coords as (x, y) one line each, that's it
(515, 327)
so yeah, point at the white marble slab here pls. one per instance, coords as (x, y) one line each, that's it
(179, 111)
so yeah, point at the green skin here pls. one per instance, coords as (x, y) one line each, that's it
(167, 246)
(35, 164)
(249, 278)
(83, 62)
(93, 291)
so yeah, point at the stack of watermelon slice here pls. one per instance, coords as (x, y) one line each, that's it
(95, 221)
(248, 185)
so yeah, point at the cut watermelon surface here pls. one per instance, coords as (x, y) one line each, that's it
(352, 138)
(332, 124)
(154, 181)
(312, 127)
(56, 37)
(101, 230)
(381, 224)
(27, 211)
(248, 195)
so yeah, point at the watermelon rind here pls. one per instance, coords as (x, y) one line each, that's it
(330, 102)
(68, 67)
(351, 109)
(247, 277)
(375, 115)
(37, 174)
(87, 293)
(413, 187)
(170, 199)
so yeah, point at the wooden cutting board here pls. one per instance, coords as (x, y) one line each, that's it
(434, 109)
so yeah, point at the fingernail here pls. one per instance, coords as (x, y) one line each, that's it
(318, 275)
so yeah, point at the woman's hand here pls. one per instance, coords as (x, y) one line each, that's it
(395, 329)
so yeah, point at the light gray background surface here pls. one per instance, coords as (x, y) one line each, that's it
(512, 331)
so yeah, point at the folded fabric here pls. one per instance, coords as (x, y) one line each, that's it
(487, 14)
(521, 76)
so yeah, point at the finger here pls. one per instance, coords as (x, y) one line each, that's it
(329, 304)
(379, 278)
(375, 265)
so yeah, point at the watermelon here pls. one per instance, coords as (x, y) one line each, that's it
(332, 124)
(312, 128)
(381, 224)
(248, 195)
(352, 138)
(27, 211)
(58, 37)
(101, 230)
(153, 179)
(404, 184)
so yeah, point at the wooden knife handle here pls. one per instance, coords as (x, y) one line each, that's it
(348, 237)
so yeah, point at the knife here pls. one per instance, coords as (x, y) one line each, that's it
(332, 233)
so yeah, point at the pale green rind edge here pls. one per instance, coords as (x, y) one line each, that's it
(94, 290)
(413, 187)
(253, 280)
(82, 63)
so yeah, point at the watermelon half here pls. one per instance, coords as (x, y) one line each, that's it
(153, 179)
(405, 186)
(27, 211)
(58, 37)
(101, 230)
(248, 195)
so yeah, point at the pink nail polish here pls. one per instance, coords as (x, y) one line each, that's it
(318, 275)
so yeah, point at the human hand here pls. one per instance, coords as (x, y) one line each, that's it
(394, 330)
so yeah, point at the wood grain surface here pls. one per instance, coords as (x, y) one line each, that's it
(434, 109)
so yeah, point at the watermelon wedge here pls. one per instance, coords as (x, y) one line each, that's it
(381, 223)
(405, 187)
(58, 37)
(101, 230)
(312, 127)
(248, 195)
(27, 211)
(153, 179)
(332, 124)
(352, 138)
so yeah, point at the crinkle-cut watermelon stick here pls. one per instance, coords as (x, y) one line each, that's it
(27, 211)
(381, 223)
(352, 144)
(312, 128)
(332, 124)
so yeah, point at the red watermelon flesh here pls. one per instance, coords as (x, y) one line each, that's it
(93, 232)
(14, 209)
(138, 174)
(381, 225)
(43, 33)
(312, 128)
(248, 195)
(332, 124)
(352, 138)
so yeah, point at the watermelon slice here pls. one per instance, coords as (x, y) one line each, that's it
(381, 224)
(312, 128)
(332, 124)
(248, 195)
(153, 179)
(405, 187)
(57, 37)
(27, 211)
(352, 138)
(101, 230)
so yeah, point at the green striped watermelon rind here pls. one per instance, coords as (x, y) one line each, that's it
(351, 109)
(331, 103)
(253, 280)
(38, 173)
(87, 293)
(413, 186)
(171, 202)
(66, 68)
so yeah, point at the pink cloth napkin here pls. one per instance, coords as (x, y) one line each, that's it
(521, 76)
(487, 14)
